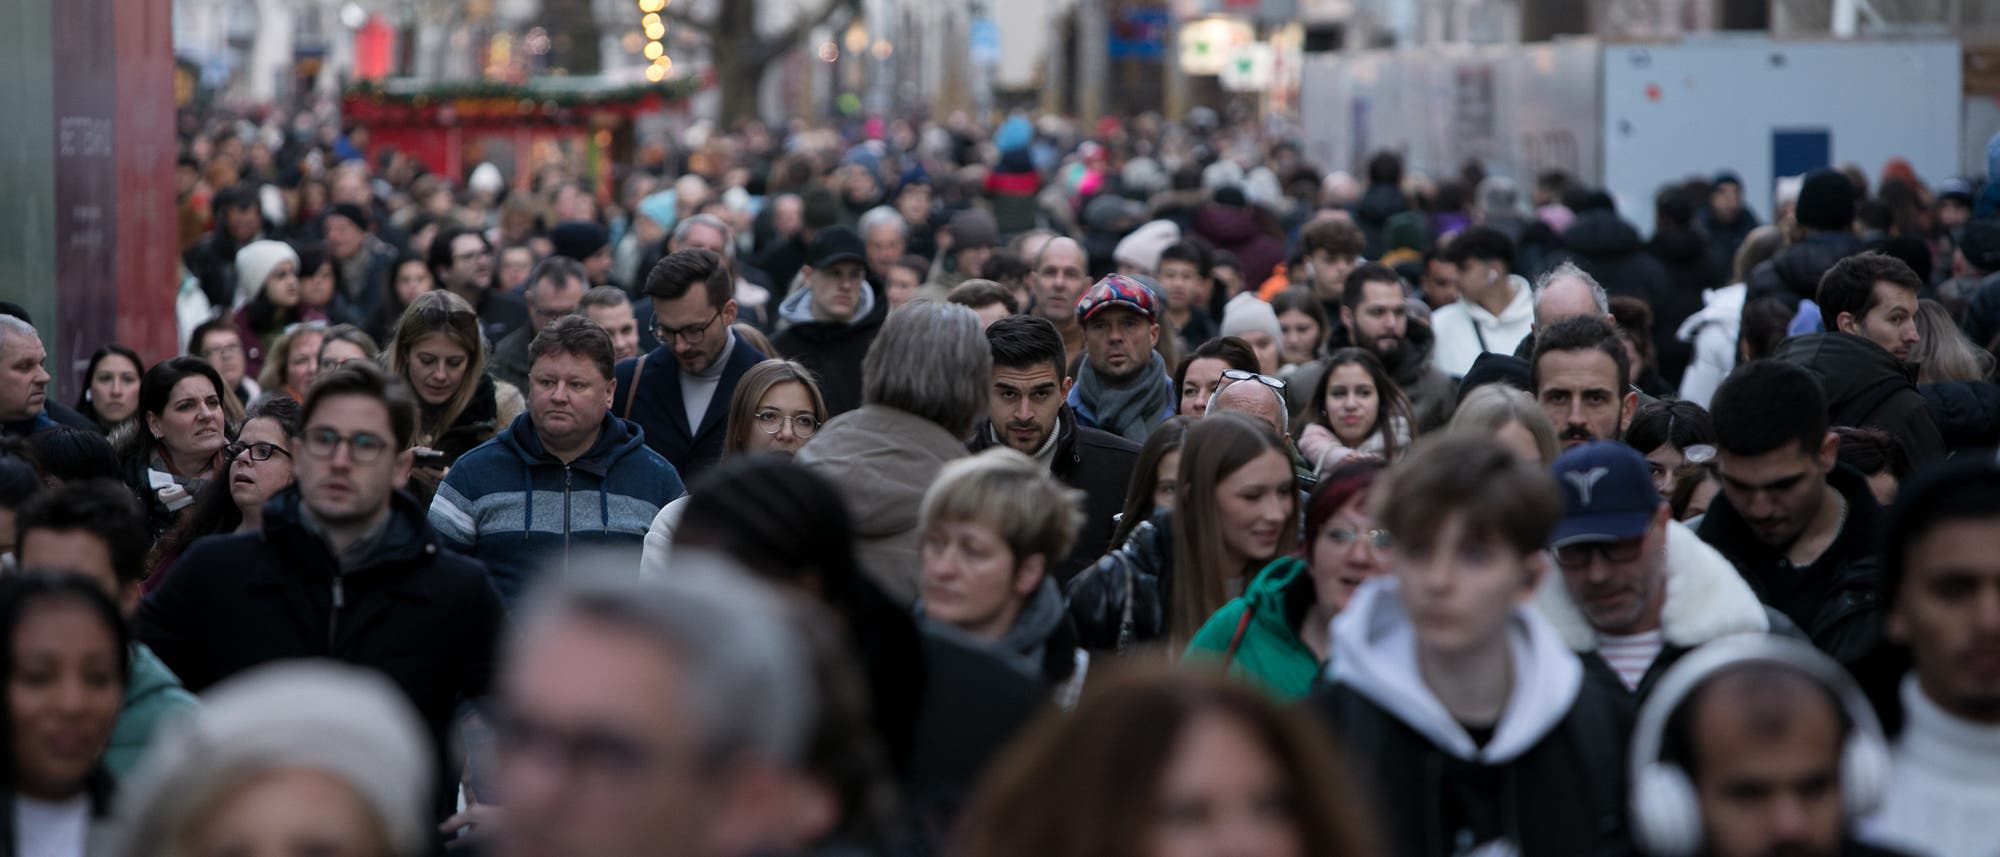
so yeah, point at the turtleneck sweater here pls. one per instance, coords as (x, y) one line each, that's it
(1944, 787)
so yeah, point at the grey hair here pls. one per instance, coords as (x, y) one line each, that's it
(1284, 410)
(745, 671)
(11, 326)
(688, 224)
(883, 215)
(931, 359)
(560, 268)
(1570, 270)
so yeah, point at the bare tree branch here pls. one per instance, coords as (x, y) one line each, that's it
(676, 13)
(802, 26)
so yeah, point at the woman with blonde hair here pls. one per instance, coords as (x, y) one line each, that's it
(294, 360)
(1509, 416)
(437, 350)
(1155, 763)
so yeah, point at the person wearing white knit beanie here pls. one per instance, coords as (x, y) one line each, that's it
(1253, 321)
(300, 751)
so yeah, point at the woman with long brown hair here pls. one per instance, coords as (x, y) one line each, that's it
(1356, 408)
(437, 350)
(1237, 510)
(1158, 764)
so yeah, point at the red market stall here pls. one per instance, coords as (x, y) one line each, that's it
(454, 127)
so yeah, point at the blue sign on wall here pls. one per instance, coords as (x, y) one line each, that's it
(1800, 150)
(1140, 34)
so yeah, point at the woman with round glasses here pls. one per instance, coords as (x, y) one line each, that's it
(438, 351)
(256, 466)
(776, 408)
(1276, 634)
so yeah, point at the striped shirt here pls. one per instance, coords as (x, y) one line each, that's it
(1630, 657)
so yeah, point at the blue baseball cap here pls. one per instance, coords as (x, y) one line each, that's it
(1607, 493)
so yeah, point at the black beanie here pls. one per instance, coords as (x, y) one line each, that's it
(1496, 368)
(578, 239)
(1826, 202)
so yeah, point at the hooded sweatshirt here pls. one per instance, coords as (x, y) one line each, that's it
(517, 508)
(1549, 780)
(153, 698)
(833, 350)
(1464, 329)
(1268, 652)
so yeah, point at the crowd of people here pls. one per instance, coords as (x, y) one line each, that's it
(916, 488)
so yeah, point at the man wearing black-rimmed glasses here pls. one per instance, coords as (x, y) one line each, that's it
(679, 392)
(344, 567)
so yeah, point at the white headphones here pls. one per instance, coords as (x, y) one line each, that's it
(1666, 815)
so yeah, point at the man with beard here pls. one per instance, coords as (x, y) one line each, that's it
(1797, 524)
(1578, 372)
(1636, 589)
(1027, 413)
(1375, 311)
(1944, 604)
(1756, 747)
(1123, 387)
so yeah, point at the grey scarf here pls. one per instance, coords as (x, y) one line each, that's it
(1130, 411)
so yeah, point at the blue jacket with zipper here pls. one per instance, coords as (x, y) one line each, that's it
(517, 508)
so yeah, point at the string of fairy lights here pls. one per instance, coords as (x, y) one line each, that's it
(654, 28)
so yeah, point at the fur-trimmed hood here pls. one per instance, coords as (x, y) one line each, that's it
(1706, 598)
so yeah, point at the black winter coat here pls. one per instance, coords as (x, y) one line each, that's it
(425, 617)
(662, 412)
(833, 351)
(475, 425)
(1967, 413)
(1838, 600)
(1609, 249)
(1866, 386)
(1564, 797)
(1793, 275)
(1690, 271)
(1096, 462)
(1121, 601)
(1981, 323)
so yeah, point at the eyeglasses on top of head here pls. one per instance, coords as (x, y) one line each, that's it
(1243, 375)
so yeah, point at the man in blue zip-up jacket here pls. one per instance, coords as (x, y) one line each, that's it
(566, 475)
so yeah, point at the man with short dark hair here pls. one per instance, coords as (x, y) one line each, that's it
(554, 289)
(1765, 744)
(1869, 302)
(679, 392)
(1375, 312)
(1183, 276)
(1635, 589)
(610, 308)
(461, 260)
(343, 568)
(1797, 524)
(1027, 413)
(830, 323)
(1579, 371)
(1123, 387)
(238, 220)
(1495, 307)
(94, 529)
(567, 475)
(1943, 591)
(362, 261)
(989, 300)
(1331, 247)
